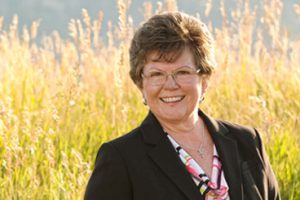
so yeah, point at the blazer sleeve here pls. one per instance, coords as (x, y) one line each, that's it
(109, 180)
(273, 189)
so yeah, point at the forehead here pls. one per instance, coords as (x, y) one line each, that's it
(174, 59)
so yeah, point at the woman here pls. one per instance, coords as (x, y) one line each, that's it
(178, 152)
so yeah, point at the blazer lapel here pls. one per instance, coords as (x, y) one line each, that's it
(163, 154)
(228, 152)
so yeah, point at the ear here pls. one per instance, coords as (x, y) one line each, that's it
(141, 89)
(204, 85)
(144, 98)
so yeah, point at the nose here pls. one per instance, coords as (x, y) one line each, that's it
(171, 82)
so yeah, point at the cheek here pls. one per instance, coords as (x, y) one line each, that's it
(196, 89)
(150, 93)
(195, 93)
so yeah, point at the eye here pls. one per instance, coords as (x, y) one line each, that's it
(155, 74)
(184, 72)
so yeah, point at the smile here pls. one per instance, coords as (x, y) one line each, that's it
(172, 99)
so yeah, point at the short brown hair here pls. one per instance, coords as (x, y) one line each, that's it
(168, 34)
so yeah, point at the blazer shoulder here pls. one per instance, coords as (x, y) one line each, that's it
(247, 138)
(128, 143)
(239, 131)
(126, 138)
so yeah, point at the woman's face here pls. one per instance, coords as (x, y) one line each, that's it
(173, 101)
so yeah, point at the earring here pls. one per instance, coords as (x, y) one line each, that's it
(202, 99)
(144, 101)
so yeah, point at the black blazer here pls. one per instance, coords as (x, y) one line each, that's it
(143, 165)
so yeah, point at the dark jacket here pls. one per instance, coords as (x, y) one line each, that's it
(143, 165)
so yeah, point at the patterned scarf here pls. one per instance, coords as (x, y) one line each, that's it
(214, 189)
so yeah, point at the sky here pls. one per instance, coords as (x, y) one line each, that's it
(56, 14)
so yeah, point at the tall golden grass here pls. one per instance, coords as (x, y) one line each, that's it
(60, 100)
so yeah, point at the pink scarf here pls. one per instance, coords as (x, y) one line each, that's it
(215, 188)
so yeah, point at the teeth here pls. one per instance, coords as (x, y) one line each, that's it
(172, 99)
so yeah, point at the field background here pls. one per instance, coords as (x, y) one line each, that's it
(61, 98)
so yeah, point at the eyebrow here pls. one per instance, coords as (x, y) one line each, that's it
(184, 66)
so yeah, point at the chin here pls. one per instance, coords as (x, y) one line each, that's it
(172, 116)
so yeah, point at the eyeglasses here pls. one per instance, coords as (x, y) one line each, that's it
(182, 75)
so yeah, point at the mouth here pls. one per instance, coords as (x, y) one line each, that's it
(174, 99)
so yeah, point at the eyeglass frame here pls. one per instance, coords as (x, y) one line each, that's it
(172, 73)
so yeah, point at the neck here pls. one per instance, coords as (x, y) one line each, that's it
(186, 126)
